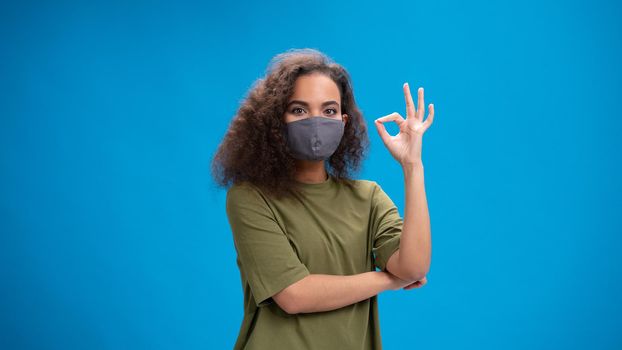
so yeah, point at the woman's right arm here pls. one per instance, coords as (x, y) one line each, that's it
(273, 269)
(321, 292)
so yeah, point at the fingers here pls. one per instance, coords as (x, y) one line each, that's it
(410, 105)
(384, 135)
(430, 118)
(413, 285)
(392, 117)
(420, 104)
(417, 284)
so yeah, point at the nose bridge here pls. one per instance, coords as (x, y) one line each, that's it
(316, 106)
(315, 110)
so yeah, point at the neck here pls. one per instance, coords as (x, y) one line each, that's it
(310, 171)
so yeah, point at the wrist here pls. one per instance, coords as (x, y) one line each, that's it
(417, 163)
(387, 280)
(413, 168)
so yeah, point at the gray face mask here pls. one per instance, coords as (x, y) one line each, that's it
(313, 138)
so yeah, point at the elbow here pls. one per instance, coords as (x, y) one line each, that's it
(413, 274)
(288, 300)
(410, 271)
(291, 307)
(414, 271)
(408, 276)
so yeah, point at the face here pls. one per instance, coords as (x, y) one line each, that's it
(314, 94)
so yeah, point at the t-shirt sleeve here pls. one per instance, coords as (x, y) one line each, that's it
(386, 227)
(267, 259)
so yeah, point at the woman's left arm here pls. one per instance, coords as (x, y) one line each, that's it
(412, 260)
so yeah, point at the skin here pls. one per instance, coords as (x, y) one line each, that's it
(322, 292)
(412, 260)
(314, 89)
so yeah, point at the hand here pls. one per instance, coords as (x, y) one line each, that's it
(405, 147)
(398, 283)
(417, 284)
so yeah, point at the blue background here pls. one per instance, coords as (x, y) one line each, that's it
(114, 235)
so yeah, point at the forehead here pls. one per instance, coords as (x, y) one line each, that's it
(315, 87)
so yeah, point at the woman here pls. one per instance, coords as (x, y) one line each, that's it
(308, 237)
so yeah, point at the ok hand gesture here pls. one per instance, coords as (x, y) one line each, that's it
(405, 147)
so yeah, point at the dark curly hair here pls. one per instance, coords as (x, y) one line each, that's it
(254, 148)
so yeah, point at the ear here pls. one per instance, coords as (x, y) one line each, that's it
(345, 117)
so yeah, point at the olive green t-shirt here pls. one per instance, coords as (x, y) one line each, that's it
(331, 229)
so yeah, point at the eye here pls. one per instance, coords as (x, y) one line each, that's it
(332, 109)
(295, 109)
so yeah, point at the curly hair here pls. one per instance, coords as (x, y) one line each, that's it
(254, 147)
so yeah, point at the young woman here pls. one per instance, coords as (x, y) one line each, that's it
(308, 237)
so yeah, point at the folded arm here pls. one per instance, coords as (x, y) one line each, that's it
(321, 292)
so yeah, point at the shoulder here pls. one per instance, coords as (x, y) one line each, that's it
(365, 188)
(373, 192)
(245, 201)
(241, 188)
(243, 192)
(366, 184)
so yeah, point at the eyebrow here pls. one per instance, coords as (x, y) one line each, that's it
(306, 104)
